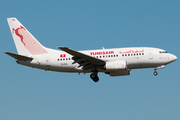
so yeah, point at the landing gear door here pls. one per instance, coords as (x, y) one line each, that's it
(150, 54)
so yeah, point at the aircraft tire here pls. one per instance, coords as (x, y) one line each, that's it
(96, 79)
(155, 73)
(93, 76)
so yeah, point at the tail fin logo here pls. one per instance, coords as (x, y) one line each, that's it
(30, 43)
(17, 33)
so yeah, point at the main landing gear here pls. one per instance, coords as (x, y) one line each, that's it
(94, 76)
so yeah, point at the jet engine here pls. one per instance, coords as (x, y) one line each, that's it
(116, 65)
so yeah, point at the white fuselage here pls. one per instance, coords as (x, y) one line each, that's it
(135, 57)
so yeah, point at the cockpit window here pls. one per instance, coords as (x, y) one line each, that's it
(163, 52)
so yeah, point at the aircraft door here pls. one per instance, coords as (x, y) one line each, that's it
(150, 54)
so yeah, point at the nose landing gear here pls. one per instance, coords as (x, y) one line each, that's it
(159, 67)
(155, 72)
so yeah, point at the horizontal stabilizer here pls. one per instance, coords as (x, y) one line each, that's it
(19, 57)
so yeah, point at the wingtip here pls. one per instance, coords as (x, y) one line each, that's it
(62, 47)
(6, 52)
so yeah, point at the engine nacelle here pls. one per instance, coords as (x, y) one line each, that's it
(116, 65)
(119, 73)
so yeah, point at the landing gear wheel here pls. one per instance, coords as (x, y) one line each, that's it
(94, 77)
(155, 73)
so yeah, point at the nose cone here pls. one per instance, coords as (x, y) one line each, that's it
(173, 58)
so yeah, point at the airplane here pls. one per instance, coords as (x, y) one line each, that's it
(115, 62)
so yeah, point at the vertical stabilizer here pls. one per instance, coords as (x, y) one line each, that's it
(26, 44)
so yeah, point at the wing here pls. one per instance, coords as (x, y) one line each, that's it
(84, 60)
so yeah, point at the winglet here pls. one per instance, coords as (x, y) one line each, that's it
(19, 57)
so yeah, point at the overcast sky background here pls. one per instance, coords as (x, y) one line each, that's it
(32, 94)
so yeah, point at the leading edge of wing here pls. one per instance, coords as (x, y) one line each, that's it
(82, 55)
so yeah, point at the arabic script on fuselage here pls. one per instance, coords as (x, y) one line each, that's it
(131, 51)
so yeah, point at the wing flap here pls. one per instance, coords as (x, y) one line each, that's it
(19, 57)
